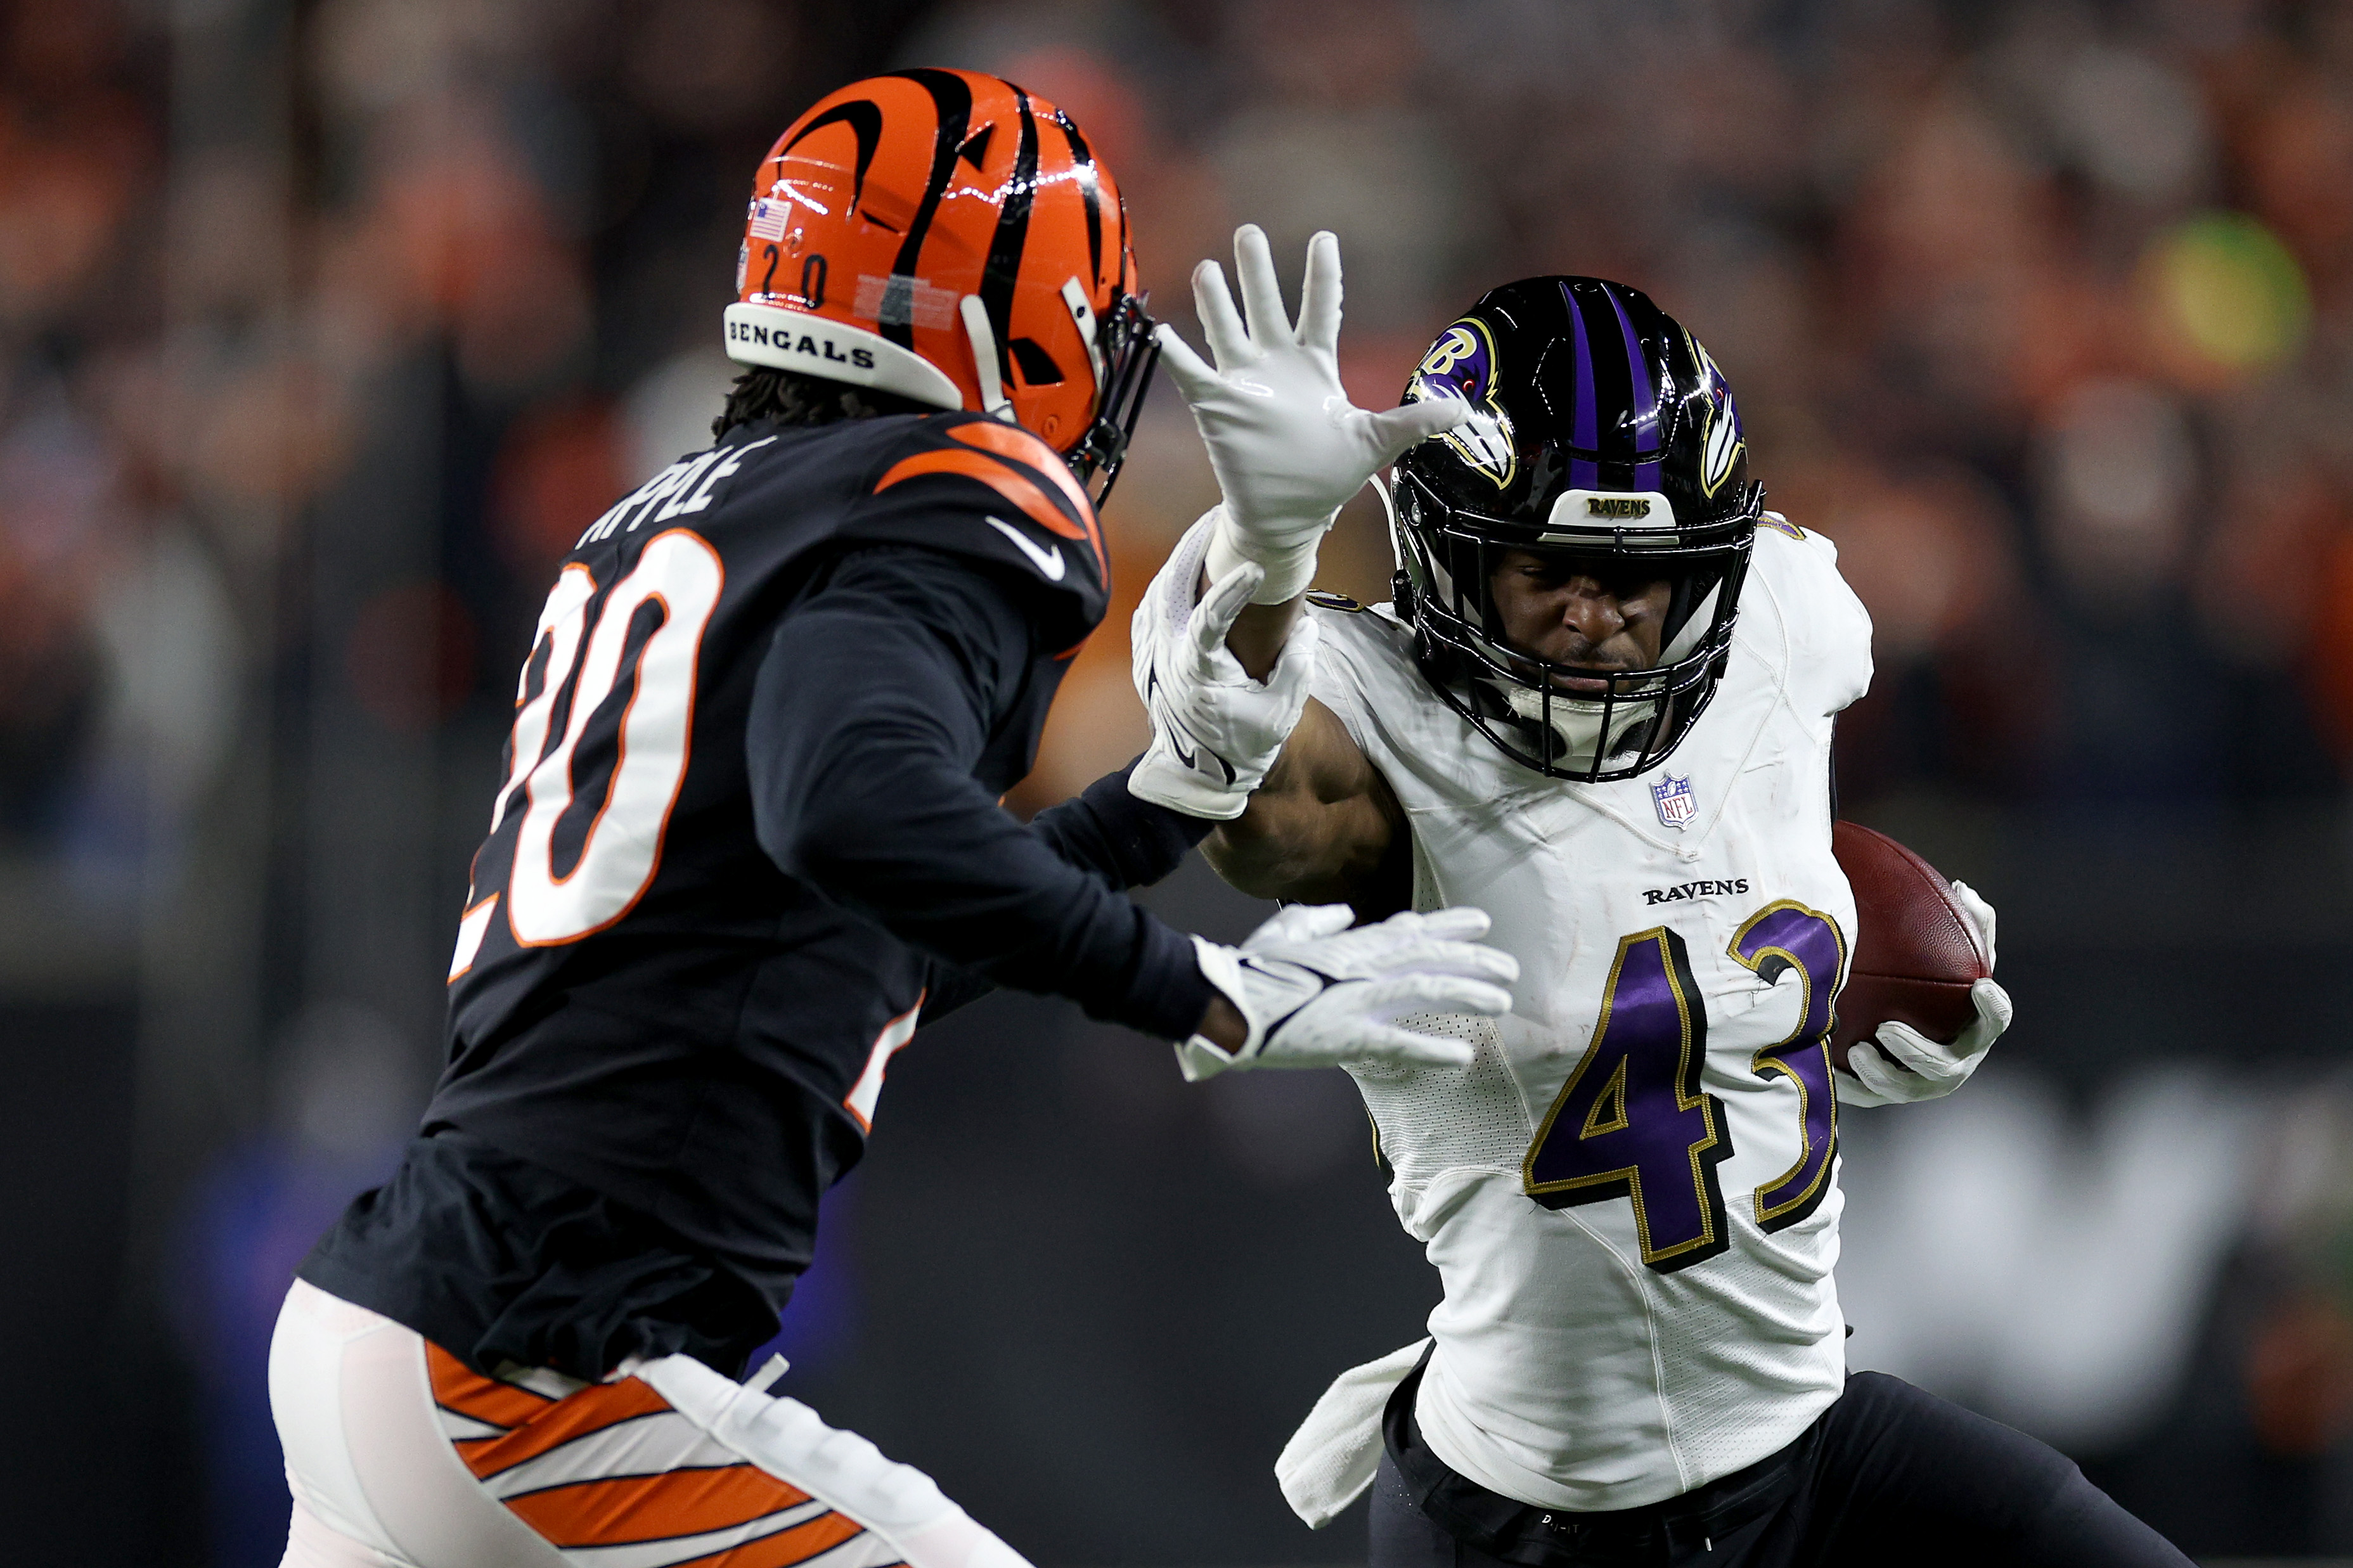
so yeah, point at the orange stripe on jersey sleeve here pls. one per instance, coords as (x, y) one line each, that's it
(1004, 481)
(590, 1410)
(623, 1508)
(787, 1547)
(458, 1387)
(1010, 441)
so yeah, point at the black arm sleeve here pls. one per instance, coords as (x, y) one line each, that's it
(1129, 842)
(1126, 842)
(876, 697)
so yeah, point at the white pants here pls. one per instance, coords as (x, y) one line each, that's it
(400, 1457)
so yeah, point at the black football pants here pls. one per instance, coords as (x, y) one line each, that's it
(1891, 1474)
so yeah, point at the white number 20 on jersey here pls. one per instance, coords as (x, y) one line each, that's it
(680, 574)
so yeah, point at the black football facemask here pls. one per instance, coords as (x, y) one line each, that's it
(1131, 353)
(1550, 716)
(1600, 432)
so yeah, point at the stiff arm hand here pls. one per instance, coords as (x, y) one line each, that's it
(1905, 1066)
(1315, 993)
(1286, 444)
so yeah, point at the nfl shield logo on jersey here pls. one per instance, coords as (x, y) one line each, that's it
(1672, 796)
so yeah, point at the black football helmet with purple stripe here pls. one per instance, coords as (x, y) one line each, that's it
(1599, 430)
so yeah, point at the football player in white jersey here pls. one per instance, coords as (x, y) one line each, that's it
(1599, 709)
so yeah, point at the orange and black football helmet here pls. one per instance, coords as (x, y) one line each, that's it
(946, 236)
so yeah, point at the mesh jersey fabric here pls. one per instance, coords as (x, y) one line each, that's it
(1580, 1360)
(1434, 1120)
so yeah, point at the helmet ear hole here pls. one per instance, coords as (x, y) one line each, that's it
(1037, 366)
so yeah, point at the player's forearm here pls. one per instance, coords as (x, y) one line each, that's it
(1300, 851)
(894, 831)
(1320, 829)
(1296, 840)
(1259, 632)
(1105, 831)
(868, 724)
(1274, 850)
(1123, 841)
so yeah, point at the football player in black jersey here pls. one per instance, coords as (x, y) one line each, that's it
(746, 841)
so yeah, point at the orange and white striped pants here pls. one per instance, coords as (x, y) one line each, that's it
(399, 1456)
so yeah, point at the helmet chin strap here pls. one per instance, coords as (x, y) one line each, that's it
(1696, 626)
(1577, 720)
(983, 339)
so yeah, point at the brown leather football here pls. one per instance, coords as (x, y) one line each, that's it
(1915, 951)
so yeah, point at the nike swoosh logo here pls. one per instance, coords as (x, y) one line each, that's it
(1208, 763)
(1152, 701)
(1325, 985)
(1048, 561)
(1175, 727)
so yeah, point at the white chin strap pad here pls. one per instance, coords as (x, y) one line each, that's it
(1577, 720)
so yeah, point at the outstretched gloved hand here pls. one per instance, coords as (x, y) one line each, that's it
(1905, 1066)
(1288, 447)
(1315, 993)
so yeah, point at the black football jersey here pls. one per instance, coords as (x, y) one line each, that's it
(640, 1000)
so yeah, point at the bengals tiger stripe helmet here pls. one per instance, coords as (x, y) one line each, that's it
(1602, 432)
(946, 236)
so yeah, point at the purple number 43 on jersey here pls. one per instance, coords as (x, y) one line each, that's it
(1633, 1120)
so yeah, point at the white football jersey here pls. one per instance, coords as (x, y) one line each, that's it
(1631, 1192)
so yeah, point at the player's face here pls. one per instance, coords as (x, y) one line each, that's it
(1583, 614)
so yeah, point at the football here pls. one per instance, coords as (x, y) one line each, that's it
(1916, 951)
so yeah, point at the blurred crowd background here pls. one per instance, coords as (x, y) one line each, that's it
(326, 324)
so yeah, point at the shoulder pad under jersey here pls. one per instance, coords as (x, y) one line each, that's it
(1825, 631)
(976, 487)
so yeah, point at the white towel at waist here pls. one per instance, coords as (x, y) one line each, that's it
(1330, 1460)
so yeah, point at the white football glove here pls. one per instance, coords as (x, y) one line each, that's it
(1215, 731)
(1316, 994)
(1287, 445)
(1935, 1070)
